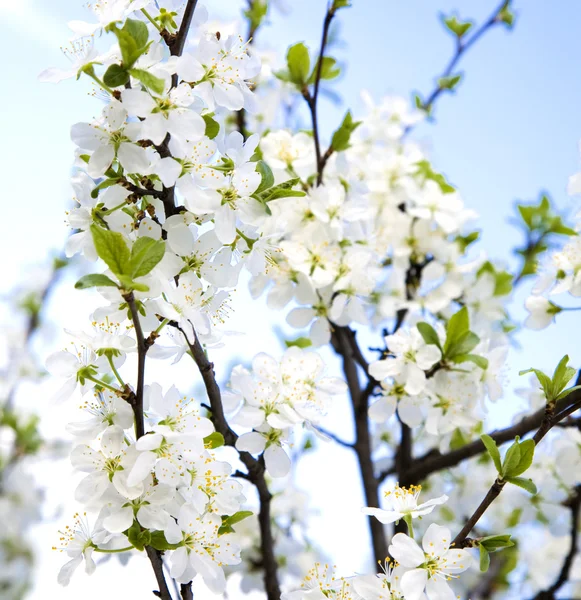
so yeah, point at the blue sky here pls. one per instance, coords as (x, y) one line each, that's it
(510, 131)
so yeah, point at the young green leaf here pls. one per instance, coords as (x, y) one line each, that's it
(212, 126)
(298, 63)
(492, 448)
(115, 76)
(94, 280)
(511, 458)
(111, 247)
(266, 176)
(527, 452)
(429, 334)
(496, 542)
(151, 82)
(479, 361)
(458, 326)
(300, 342)
(341, 138)
(484, 559)
(146, 253)
(159, 542)
(229, 521)
(525, 484)
(329, 70)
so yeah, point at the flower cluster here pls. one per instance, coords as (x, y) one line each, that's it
(274, 397)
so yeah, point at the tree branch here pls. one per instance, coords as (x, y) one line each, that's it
(178, 43)
(461, 48)
(343, 339)
(186, 591)
(550, 419)
(434, 461)
(312, 98)
(136, 402)
(256, 469)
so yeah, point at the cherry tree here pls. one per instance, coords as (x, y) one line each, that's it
(207, 167)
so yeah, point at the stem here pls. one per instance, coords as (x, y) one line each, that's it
(162, 325)
(100, 83)
(102, 384)
(151, 19)
(113, 551)
(115, 372)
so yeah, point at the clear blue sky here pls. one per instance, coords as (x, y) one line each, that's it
(511, 130)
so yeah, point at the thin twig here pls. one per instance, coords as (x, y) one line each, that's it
(461, 48)
(550, 419)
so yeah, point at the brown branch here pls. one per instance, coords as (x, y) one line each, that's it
(136, 402)
(178, 43)
(186, 591)
(312, 98)
(157, 564)
(434, 461)
(256, 469)
(343, 341)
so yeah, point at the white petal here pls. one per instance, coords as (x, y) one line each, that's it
(278, 463)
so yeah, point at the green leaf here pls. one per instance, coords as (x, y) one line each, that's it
(155, 84)
(479, 361)
(115, 76)
(337, 4)
(267, 178)
(214, 440)
(300, 342)
(137, 537)
(329, 70)
(298, 63)
(525, 484)
(566, 392)
(449, 83)
(492, 543)
(159, 542)
(341, 138)
(484, 559)
(544, 380)
(527, 452)
(95, 280)
(146, 253)
(138, 31)
(463, 345)
(562, 375)
(429, 334)
(111, 248)
(492, 450)
(426, 172)
(212, 126)
(132, 40)
(282, 190)
(457, 27)
(511, 458)
(229, 521)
